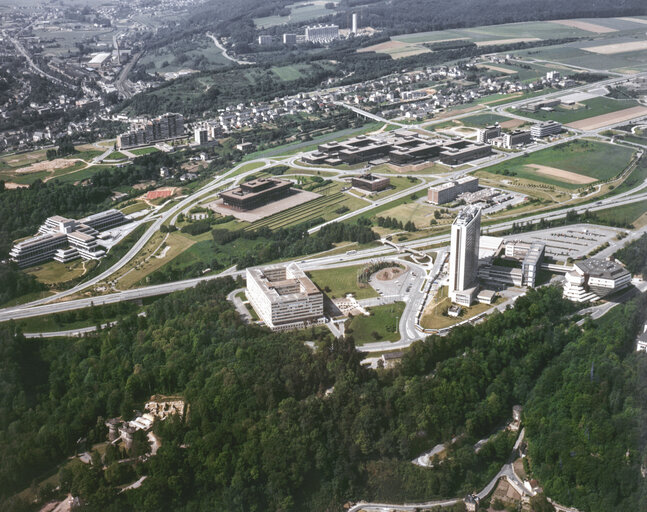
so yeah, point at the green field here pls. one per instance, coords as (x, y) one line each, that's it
(143, 151)
(381, 325)
(341, 281)
(299, 11)
(588, 158)
(116, 155)
(482, 120)
(622, 215)
(591, 108)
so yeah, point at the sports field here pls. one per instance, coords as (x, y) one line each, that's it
(570, 166)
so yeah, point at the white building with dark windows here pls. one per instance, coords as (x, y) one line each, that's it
(540, 130)
(594, 279)
(322, 33)
(284, 297)
(464, 256)
(62, 239)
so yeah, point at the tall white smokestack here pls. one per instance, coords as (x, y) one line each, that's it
(354, 30)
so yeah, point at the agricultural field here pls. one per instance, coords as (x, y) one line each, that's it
(381, 325)
(584, 110)
(59, 42)
(412, 44)
(299, 11)
(339, 282)
(569, 166)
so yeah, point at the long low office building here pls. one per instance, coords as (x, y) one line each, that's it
(284, 297)
(62, 239)
(398, 148)
(256, 193)
(370, 182)
(447, 192)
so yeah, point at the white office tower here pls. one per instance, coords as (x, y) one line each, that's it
(354, 30)
(464, 256)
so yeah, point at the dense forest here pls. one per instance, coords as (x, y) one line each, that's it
(263, 434)
(634, 256)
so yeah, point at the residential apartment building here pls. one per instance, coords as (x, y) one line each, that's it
(284, 297)
(167, 126)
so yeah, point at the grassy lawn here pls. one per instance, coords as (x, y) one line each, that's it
(54, 272)
(590, 108)
(146, 262)
(143, 151)
(132, 208)
(596, 160)
(381, 325)
(623, 215)
(339, 282)
(116, 155)
(420, 214)
(482, 120)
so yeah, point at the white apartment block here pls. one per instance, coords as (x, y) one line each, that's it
(284, 297)
(594, 279)
(63, 239)
(322, 33)
(464, 256)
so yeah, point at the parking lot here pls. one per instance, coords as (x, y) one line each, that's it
(570, 241)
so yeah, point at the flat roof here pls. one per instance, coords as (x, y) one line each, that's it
(604, 269)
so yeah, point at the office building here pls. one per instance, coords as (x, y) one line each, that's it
(354, 24)
(284, 297)
(464, 256)
(256, 193)
(594, 279)
(289, 39)
(322, 33)
(370, 182)
(201, 136)
(63, 239)
(544, 129)
(447, 192)
(516, 138)
(398, 148)
(264, 40)
(459, 153)
(485, 135)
